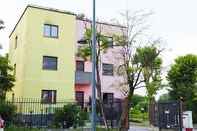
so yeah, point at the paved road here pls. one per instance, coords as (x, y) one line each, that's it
(137, 128)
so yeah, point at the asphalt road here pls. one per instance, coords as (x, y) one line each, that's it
(137, 128)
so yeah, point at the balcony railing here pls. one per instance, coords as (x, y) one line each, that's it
(82, 77)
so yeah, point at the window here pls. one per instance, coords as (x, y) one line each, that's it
(80, 66)
(108, 97)
(108, 69)
(79, 96)
(49, 63)
(48, 96)
(110, 41)
(16, 42)
(50, 30)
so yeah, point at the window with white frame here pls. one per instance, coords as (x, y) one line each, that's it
(51, 30)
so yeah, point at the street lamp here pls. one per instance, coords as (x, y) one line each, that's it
(84, 41)
(94, 67)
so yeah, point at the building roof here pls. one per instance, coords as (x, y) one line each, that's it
(59, 11)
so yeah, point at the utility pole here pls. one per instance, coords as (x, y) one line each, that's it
(94, 67)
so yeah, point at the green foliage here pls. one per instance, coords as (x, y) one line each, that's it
(102, 44)
(182, 79)
(71, 116)
(14, 128)
(149, 59)
(7, 111)
(136, 115)
(164, 98)
(136, 99)
(6, 79)
(183, 76)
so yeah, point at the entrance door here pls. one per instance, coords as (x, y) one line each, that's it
(79, 96)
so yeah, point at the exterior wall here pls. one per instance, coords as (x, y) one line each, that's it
(86, 89)
(110, 84)
(17, 56)
(33, 46)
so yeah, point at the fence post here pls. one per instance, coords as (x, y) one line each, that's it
(41, 117)
(111, 106)
(31, 119)
(180, 114)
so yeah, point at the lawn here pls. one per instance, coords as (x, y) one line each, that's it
(35, 129)
(22, 129)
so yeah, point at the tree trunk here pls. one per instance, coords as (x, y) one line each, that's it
(150, 115)
(124, 120)
(99, 94)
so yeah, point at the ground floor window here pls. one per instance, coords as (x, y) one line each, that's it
(48, 96)
(108, 97)
(79, 96)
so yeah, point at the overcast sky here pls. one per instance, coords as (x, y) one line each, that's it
(175, 21)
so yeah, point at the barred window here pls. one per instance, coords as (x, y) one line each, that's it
(108, 97)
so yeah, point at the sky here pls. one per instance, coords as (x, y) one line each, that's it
(175, 21)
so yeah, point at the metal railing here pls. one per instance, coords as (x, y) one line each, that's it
(34, 113)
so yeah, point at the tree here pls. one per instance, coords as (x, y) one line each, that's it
(6, 78)
(85, 52)
(128, 41)
(149, 59)
(182, 79)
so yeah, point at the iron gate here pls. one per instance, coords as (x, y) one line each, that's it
(167, 115)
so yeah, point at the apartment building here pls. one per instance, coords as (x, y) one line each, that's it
(43, 48)
(110, 60)
(42, 52)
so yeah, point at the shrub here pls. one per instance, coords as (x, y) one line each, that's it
(70, 115)
(7, 111)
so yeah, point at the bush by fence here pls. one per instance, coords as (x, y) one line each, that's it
(71, 115)
(7, 111)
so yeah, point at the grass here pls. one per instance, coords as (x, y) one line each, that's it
(35, 129)
(22, 129)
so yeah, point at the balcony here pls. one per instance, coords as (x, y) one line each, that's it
(82, 77)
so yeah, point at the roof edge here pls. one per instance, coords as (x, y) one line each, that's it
(42, 8)
(104, 23)
(59, 11)
(51, 9)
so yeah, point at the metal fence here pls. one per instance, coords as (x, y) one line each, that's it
(167, 115)
(34, 113)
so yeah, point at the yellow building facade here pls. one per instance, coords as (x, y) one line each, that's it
(42, 52)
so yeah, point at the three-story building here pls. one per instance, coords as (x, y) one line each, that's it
(43, 48)
(42, 52)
